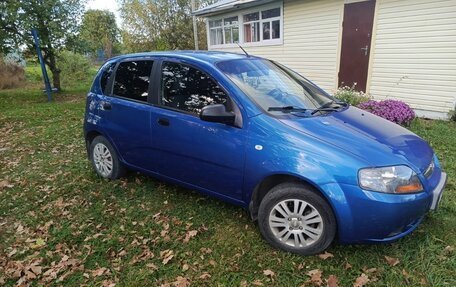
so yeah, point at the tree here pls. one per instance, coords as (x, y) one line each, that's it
(159, 25)
(99, 31)
(55, 21)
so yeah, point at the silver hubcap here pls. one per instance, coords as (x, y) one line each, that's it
(296, 223)
(102, 159)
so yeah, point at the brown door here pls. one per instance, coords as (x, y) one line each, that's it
(356, 44)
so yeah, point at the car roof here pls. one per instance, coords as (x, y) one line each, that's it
(205, 56)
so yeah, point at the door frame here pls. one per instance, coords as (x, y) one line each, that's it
(372, 44)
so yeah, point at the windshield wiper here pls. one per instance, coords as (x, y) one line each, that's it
(327, 107)
(286, 109)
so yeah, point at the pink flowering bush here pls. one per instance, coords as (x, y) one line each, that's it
(392, 110)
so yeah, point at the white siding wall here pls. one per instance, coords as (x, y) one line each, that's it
(414, 56)
(311, 40)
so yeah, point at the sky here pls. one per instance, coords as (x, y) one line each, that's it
(110, 5)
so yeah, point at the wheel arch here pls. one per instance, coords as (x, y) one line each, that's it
(270, 181)
(92, 134)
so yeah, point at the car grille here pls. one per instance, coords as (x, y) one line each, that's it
(429, 170)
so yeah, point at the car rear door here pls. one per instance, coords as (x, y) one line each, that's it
(207, 155)
(126, 112)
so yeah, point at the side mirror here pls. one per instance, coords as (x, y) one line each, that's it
(217, 114)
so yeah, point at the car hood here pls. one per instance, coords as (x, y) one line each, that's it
(377, 141)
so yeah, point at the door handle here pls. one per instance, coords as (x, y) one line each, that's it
(365, 49)
(106, 106)
(163, 122)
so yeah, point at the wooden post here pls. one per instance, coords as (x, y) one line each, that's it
(195, 27)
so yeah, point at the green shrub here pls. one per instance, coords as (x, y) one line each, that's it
(74, 68)
(351, 96)
(11, 75)
(452, 114)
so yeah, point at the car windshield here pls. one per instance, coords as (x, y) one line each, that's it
(276, 88)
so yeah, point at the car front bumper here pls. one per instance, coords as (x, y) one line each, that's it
(373, 217)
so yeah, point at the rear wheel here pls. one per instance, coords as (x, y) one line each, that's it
(294, 218)
(104, 159)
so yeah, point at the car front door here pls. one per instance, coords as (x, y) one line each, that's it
(126, 113)
(207, 155)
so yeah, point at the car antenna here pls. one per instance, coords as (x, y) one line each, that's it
(247, 54)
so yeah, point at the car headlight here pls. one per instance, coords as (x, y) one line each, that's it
(392, 179)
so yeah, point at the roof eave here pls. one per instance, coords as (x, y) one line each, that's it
(233, 6)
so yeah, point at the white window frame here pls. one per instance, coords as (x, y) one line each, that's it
(215, 28)
(240, 14)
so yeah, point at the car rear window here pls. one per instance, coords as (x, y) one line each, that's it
(107, 72)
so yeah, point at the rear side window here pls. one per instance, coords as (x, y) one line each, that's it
(132, 80)
(106, 76)
(189, 89)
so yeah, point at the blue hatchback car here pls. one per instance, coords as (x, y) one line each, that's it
(252, 132)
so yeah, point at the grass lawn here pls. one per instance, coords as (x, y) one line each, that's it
(60, 224)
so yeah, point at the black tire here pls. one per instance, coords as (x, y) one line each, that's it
(118, 170)
(302, 193)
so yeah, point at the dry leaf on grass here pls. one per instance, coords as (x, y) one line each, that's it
(269, 273)
(166, 255)
(5, 184)
(315, 277)
(325, 255)
(332, 281)
(190, 234)
(181, 282)
(152, 266)
(205, 275)
(361, 281)
(392, 261)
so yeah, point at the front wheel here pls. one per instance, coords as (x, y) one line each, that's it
(294, 218)
(104, 159)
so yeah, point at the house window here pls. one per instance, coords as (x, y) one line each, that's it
(216, 32)
(263, 25)
(270, 20)
(224, 31)
(252, 27)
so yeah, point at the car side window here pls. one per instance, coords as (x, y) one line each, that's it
(132, 80)
(107, 73)
(189, 89)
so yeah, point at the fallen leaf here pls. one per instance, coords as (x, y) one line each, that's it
(38, 243)
(185, 267)
(315, 277)
(99, 272)
(14, 251)
(257, 282)
(325, 255)
(449, 249)
(166, 255)
(190, 234)
(181, 282)
(392, 261)
(205, 275)
(30, 275)
(370, 270)
(152, 266)
(361, 281)
(347, 266)
(269, 273)
(36, 269)
(332, 281)
(5, 184)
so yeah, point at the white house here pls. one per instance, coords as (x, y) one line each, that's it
(402, 49)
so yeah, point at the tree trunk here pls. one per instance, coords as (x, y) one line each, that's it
(56, 78)
(55, 71)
